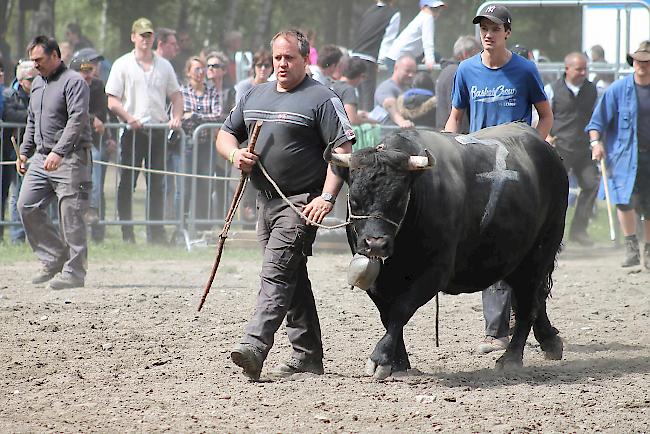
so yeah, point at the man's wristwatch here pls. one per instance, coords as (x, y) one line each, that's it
(328, 197)
(593, 143)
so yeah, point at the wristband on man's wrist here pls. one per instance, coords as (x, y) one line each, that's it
(231, 156)
(593, 143)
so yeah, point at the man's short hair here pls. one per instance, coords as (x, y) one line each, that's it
(162, 34)
(405, 56)
(354, 67)
(597, 53)
(466, 44)
(574, 55)
(303, 42)
(329, 55)
(48, 43)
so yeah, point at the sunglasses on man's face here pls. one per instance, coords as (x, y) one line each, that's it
(29, 78)
(216, 66)
(262, 65)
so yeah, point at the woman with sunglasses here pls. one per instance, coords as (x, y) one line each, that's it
(200, 105)
(217, 70)
(260, 72)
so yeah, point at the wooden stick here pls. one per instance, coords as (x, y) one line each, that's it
(603, 170)
(230, 215)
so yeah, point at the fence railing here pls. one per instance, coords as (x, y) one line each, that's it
(187, 185)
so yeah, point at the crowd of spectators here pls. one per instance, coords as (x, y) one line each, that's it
(165, 80)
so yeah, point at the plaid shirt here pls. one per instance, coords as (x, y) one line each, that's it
(204, 108)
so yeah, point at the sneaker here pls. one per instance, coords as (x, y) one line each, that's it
(45, 275)
(249, 358)
(490, 343)
(64, 281)
(295, 366)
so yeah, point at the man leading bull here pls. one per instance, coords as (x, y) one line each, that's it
(301, 119)
(497, 87)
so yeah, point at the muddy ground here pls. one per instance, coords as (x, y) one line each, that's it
(130, 353)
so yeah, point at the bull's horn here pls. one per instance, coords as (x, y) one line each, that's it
(422, 163)
(342, 160)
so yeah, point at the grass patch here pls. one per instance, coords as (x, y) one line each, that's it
(113, 249)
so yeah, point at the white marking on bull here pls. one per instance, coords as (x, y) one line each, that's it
(498, 177)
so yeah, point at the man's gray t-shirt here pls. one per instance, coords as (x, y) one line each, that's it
(643, 114)
(346, 92)
(298, 126)
(387, 89)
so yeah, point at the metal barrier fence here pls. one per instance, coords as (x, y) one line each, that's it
(188, 186)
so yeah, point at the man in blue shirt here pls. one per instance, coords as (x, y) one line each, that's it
(497, 87)
(619, 132)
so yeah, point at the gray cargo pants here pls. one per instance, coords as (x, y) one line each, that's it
(66, 246)
(285, 288)
(496, 309)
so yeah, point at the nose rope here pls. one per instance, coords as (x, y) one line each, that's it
(340, 225)
(295, 208)
(379, 216)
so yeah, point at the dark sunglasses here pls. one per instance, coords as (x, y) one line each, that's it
(29, 78)
(216, 65)
(262, 65)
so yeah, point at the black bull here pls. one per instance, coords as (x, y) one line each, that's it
(491, 207)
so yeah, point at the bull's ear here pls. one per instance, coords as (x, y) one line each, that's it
(342, 160)
(422, 163)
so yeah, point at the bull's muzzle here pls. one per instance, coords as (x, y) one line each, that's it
(375, 247)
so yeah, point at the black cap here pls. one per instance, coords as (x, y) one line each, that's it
(496, 13)
(522, 51)
(85, 56)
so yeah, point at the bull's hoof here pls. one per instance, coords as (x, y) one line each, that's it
(378, 372)
(553, 348)
(508, 363)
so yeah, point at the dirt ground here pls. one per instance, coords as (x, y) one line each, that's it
(130, 353)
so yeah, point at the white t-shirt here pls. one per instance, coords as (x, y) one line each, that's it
(143, 94)
(416, 39)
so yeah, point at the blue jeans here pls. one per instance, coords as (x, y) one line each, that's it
(17, 232)
(97, 200)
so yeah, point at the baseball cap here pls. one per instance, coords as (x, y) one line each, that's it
(432, 3)
(142, 25)
(641, 54)
(496, 13)
(84, 59)
(89, 54)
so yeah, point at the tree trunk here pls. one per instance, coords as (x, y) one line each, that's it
(262, 26)
(42, 22)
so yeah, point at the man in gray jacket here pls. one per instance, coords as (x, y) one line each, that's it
(58, 140)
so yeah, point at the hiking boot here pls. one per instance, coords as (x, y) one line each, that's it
(490, 343)
(581, 238)
(295, 366)
(249, 358)
(45, 275)
(632, 256)
(646, 256)
(65, 281)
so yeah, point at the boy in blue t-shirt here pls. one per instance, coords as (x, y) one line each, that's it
(497, 87)
(497, 95)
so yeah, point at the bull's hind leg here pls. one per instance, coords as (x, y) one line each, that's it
(522, 304)
(547, 335)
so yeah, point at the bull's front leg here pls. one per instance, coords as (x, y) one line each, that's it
(390, 353)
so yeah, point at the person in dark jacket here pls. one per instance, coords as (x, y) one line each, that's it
(86, 62)
(418, 104)
(16, 100)
(376, 31)
(573, 99)
(57, 138)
